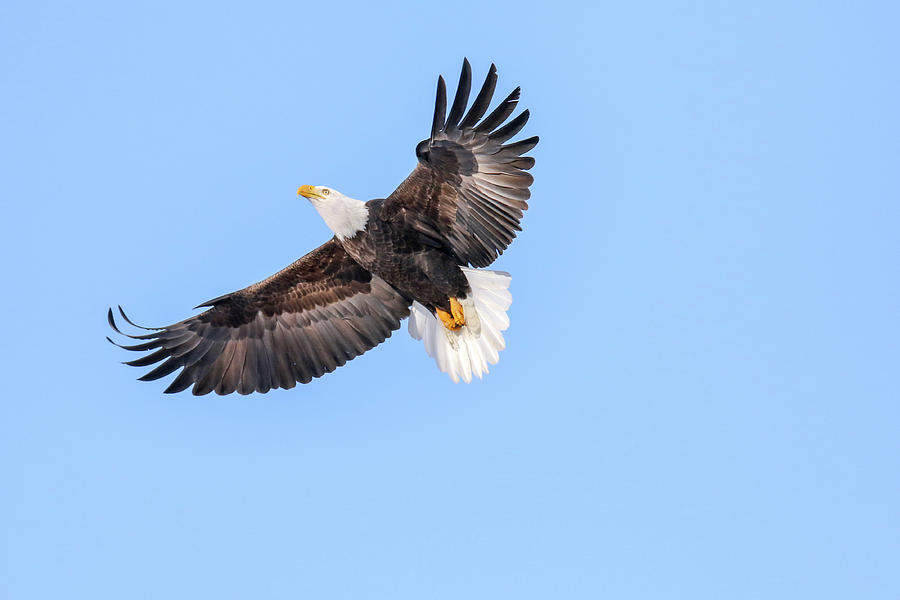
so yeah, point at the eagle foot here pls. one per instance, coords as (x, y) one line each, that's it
(455, 319)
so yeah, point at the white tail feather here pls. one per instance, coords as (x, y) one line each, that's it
(468, 350)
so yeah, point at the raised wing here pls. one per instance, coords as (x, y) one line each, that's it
(302, 322)
(469, 190)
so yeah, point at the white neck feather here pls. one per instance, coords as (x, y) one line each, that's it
(345, 216)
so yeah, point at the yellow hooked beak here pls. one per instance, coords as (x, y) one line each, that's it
(309, 191)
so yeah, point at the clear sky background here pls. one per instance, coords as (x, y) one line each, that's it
(699, 398)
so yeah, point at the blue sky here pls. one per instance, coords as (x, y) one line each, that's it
(699, 397)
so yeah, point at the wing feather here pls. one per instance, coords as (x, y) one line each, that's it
(482, 100)
(461, 98)
(440, 106)
(511, 128)
(469, 192)
(301, 323)
(500, 114)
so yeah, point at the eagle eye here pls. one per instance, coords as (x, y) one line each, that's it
(326, 191)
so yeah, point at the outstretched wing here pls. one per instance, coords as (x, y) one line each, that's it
(300, 323)
(469, 190)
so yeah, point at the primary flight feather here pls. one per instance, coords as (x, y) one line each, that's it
(409, 255)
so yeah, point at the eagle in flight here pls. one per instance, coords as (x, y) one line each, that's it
(418, 253)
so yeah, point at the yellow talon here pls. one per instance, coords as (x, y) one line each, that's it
(457, 310)
(447, 319)
(455, 319)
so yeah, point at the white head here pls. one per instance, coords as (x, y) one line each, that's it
(345, 216)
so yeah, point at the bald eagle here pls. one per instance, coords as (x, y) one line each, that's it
(418, 253)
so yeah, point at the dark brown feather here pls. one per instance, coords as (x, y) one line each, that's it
(301, 323)
(500, 114)
(482, 100)
(469, 191)
(440, 106)
(461, 98)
